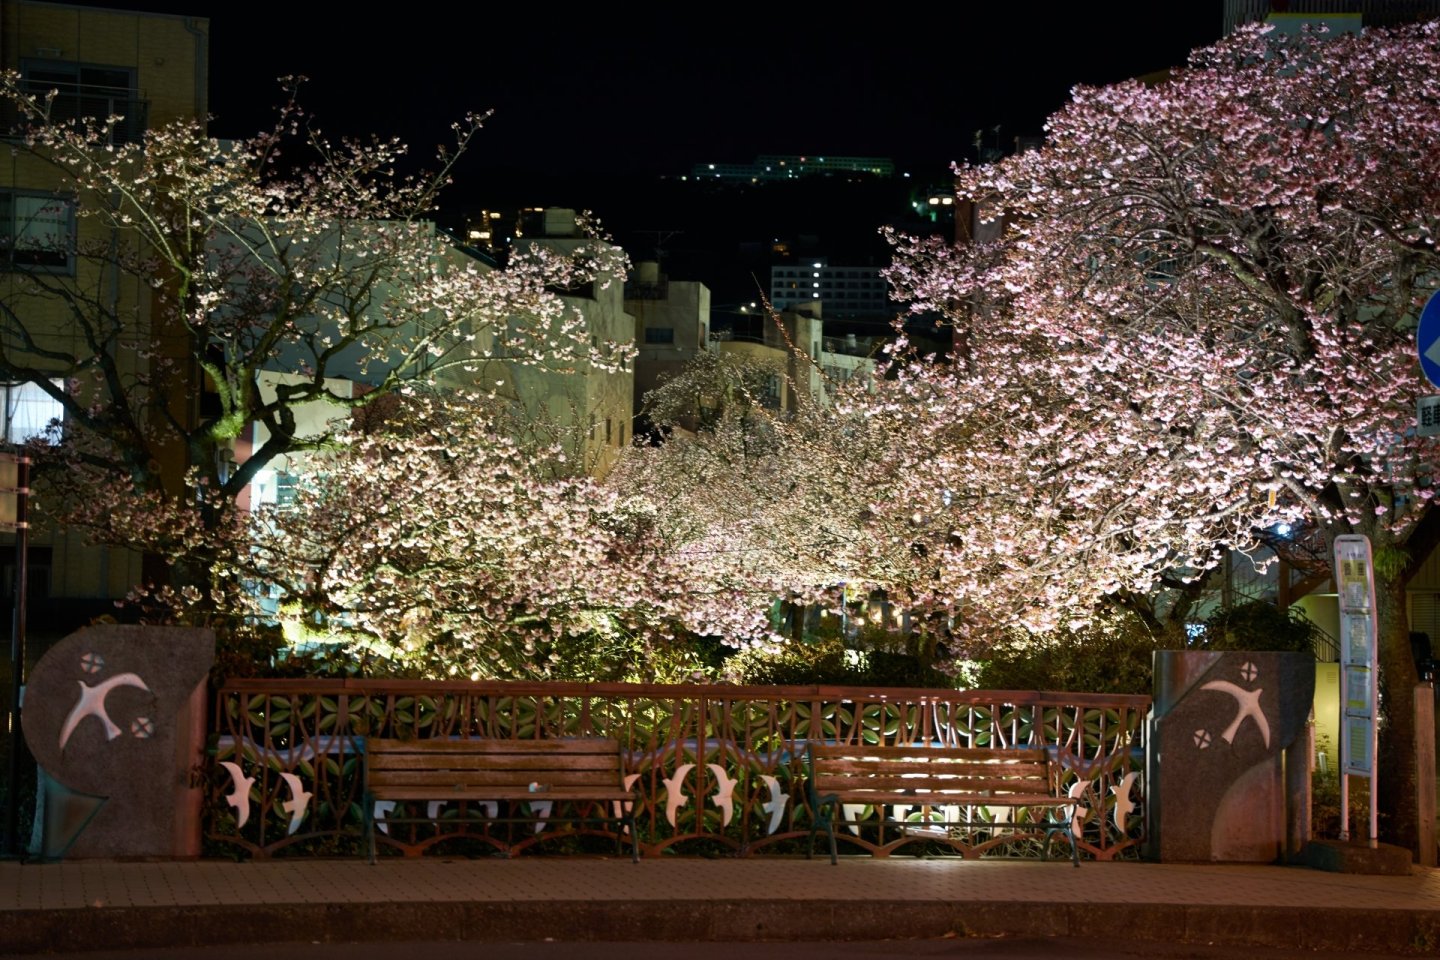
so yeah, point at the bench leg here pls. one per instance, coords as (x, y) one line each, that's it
(1069, 835)
(370, 829)
(829, 824)
(822, 822)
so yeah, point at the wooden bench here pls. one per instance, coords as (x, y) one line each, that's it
(586, 771)
(935, 778)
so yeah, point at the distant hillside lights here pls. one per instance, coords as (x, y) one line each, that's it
(775, 167)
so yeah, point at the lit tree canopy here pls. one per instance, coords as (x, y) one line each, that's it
(1203, 296)
(284, 254)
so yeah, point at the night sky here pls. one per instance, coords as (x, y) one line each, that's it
(591, 109)
(654, 88)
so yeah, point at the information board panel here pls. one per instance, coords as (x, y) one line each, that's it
(1355, 589)
(1358, 742)
(1357, 691)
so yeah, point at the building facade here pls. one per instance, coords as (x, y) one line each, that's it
(147, 69)
(847, 292)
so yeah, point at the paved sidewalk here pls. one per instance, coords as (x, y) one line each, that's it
(113, 905)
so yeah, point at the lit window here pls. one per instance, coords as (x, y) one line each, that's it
(37, 231)
(29, 411)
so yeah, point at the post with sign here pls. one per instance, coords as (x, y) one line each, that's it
(14, 515)
(1359, 687)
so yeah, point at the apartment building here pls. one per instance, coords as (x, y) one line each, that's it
(846, 291)
(148, 69)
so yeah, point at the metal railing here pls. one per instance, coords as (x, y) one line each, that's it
(73, 102)
(849, 346)
(714, 765)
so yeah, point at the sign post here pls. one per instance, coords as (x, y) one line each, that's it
(1355, 584)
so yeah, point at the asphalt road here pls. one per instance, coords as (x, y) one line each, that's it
(1003, 949)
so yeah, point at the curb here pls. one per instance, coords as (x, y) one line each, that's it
(1398, 932)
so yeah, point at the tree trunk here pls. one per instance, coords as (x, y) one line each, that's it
(1395, 769)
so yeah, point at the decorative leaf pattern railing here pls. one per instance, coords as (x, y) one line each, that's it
(718, 764)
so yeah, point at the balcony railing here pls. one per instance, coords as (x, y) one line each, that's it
(80, 101)
(850, 346)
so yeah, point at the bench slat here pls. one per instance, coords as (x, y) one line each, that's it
(506, 761)
(937, 767)
(951, 799)
(825, 783)
(437, 745)
(404, 793)
(828, 750)
(446, 779)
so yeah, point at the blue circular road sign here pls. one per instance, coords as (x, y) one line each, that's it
(1427, 339)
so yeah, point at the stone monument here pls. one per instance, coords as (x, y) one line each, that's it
(1222, 729)
(115, 718)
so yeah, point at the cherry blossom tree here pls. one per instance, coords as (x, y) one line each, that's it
(767, 504)
(434, 541)
(1198, 320)
(213, 288)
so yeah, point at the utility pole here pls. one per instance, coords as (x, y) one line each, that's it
(14, 513)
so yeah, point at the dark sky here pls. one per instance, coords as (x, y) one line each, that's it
(590, 107)
(654, 88)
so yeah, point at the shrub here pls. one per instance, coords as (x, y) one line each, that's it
(1258, 625)
(1112, 654)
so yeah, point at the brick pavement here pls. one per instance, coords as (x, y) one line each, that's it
(75, 905)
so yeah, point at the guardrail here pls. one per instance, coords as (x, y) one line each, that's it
(715, 765)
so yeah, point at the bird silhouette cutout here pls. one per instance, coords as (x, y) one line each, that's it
(674, 791)
(92, 704)
(541, 809)
(1247, 703)
(239, 798)
(623, 807)
(298, 803)
(1124, 804)
(1078, 811)
(776, 805)
(724, 798)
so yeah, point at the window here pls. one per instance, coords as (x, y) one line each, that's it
(29, 410)
(771, 397)
(37, 231)
(659, 334)
(90, 91)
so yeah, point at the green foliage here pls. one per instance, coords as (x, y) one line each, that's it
(826, 660)
(1325, 797)
(1112, 655)
(1390, 562)
(596, 657)
(248, 650)
(623, 658)
(1258, 626)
